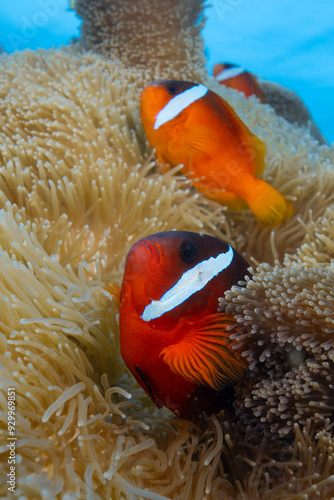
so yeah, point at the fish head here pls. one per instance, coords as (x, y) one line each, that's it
(178, 275)
(156, 96)
(219, 67)
(168, 318)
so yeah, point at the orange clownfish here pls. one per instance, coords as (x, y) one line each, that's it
(237, 78)
(190, 125)
(172, 338)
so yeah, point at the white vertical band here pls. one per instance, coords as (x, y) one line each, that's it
(178, 104)
(191, 281)
(229, 73)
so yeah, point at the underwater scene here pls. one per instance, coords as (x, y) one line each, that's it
(166, 250)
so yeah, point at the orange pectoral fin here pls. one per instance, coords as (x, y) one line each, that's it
(197, 142)
(163, 161)
(206, 355)
(114, 289)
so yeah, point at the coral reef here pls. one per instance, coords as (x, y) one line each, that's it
(79, 184)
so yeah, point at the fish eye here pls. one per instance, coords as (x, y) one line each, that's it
(171, 89)
(188, 251)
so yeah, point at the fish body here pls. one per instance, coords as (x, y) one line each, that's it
(237, 78)
(190, 125)
(172, 338)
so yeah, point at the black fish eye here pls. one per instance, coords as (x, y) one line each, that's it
(171, 89)
(188, 251)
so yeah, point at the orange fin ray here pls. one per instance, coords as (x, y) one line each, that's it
(114, 289)
(163, 160)
(206, 355)
(196, 142)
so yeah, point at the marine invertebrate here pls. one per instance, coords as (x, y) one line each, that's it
(51, 166)
(288, 308)
(173, 34)
(73, 159)
(286, 103)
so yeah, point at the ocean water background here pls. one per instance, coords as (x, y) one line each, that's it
(291, 43)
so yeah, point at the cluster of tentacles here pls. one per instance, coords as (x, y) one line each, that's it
(78, 185)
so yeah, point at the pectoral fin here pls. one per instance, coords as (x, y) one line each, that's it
(198, 142)
(206, 355)
(162, 159)
(114, 289)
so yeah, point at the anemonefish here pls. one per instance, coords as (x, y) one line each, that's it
(190, 125)
(237, 78)
(172, 338)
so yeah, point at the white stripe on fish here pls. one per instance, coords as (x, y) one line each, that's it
(229, 73)
(192, 281)
(178, 104)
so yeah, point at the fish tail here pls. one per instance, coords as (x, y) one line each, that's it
(268, 205)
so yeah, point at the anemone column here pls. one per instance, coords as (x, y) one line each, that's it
(146, 33)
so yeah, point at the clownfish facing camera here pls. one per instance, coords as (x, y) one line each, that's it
(237, 78)
(190, 125)
(172, 338)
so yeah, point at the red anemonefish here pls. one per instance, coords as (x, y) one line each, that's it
(190, 125)
(172, 338)
(237, 78)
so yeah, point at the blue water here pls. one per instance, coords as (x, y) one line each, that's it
(291, 43)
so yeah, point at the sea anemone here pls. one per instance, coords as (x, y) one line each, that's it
(286, 103)
(79, 184)
(287, 314)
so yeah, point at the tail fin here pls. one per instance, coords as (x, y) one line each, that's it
(268, 205)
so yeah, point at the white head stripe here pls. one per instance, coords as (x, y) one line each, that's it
(178, 104)
(229, 73)
(191, 281)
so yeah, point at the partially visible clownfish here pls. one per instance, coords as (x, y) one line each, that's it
(190, 125)
(172, 338)
(237, 78)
